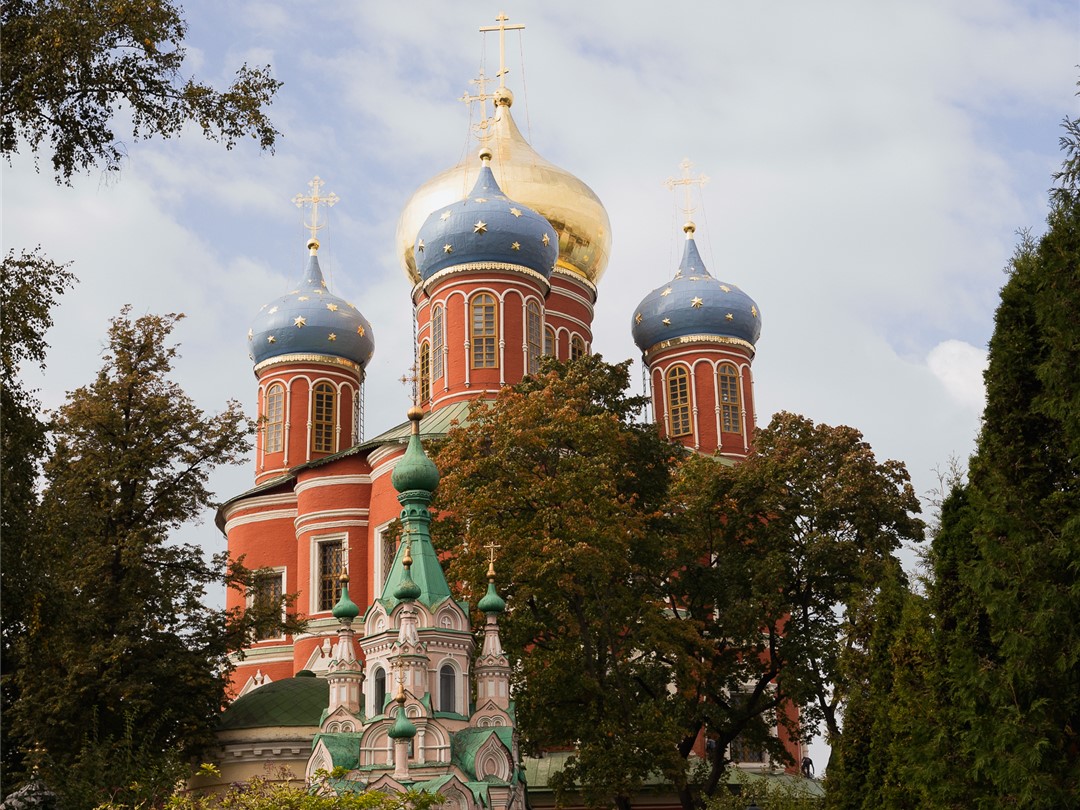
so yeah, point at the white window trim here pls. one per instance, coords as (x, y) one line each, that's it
(282, 571)
(316, 575)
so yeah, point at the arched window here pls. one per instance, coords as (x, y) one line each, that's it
(533, 335)
(274, 413)
(322, 418)
(483, 333)
(425, 371)
(438, 341)
(728, 378)
(678, 397)
(549, 342)
(577, 348)
(380, 691)
(447, 688)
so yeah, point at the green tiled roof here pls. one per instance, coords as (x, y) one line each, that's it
(465, 743)
(343, 747)
(293, 702)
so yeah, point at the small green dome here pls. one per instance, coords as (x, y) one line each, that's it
(402, 728)
(491, 602)
(407, 590)
(415, 470)
(345, 608)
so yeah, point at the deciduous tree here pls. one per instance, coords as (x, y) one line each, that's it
(72, 68)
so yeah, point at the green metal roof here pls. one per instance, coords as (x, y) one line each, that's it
(343, 747)
(297, 701)
(464, 745)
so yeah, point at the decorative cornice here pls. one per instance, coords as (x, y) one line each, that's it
(320, 359)
(472, 267)
(722, 340)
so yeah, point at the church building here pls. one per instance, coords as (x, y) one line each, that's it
(504, 254)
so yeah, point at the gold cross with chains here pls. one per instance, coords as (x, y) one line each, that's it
(315, 199)
(480, 81)
(502, 28)
(687, 181)
(491, 547)
(412, 377)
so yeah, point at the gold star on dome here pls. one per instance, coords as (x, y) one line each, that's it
(729, 317)
(332, 307)
(516, 246)
(479, 227)
(445, 216)
(331, 336)
(480, 199)
(293, 292)
(696, 303)
(272, 311)
(251, 334)
(666, 293)
(299, 320)
(271, 339)
(303, 298)
(666, 322)
(420, 246)
(725, 288)
(322, 283)
(637, 318)
(360, 331)
(515, 211)
(545, 239)
(447, 248)
(351, 304)
(753, 311)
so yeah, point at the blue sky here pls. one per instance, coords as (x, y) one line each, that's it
(870, 166)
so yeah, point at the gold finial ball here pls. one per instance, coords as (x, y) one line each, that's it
(503, 97)
(485, 154)
(689, 228)
(343, 579)
(313, 244)
(416, 413)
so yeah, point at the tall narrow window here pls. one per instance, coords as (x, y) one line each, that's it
(380, 691)
(438, 340)
(330, 567)
(267, 594)
(322, 418)
(533, 335)
(447, 688)
(678, 397)
(549, 342)
(577, 348)
(388, 551)
(730, 418)
(274, 413)
(425, 371)
(483, 333)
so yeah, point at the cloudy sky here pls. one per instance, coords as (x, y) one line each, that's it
(869, 164)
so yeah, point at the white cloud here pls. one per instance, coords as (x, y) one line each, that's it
(959, 368)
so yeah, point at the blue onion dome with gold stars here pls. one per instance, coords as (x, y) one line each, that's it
(310, 320)
(695, 307)
(486, 230)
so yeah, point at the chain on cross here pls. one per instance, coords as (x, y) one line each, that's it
(492, 547)
(315, 199)
(502, 28)
(482, 96)
(687, 181)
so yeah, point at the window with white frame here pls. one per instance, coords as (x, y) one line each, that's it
(267, 588)
(329, 564)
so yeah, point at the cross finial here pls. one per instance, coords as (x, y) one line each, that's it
(686, 180)
(502, 28)
(315, 198)
(482, 96)
(411, 377)
(491, 547)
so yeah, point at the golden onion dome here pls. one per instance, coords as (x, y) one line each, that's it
(571, 207)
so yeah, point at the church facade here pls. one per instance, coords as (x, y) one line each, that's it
(505, 253)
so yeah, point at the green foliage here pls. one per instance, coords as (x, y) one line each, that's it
(118, 649)
(262, 793)
(30, 285)
(686, 596)
(70, 67)
(767, 794)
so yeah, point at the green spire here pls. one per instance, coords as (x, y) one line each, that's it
(345, 608)
(491, 602)
(421, 578)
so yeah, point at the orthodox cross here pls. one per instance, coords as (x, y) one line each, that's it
(314, 199)
(687, 181)
(480, 81)
(502, 28)
(491, 547)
